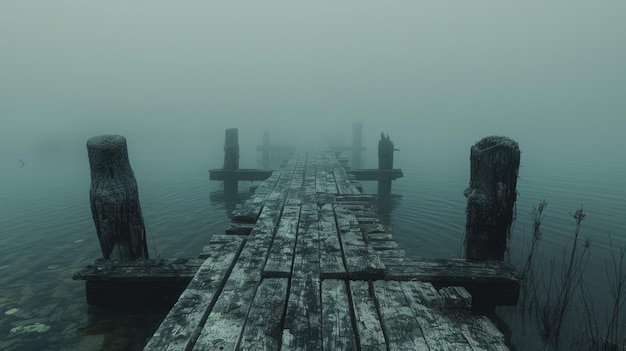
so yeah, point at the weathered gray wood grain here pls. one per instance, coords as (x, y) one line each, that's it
(223, 327)
(183, 323)
(307, 250)
(452, 270)
(264, 328)
(303, 320)
(362, 261)
(331, 185)
(438, 330)
(380, 237)
(250, 210)
(367, 321)
(280, 260)
(235, 228)
(114, 199)
(175, 269)
(456, 326)
(337, 331)
(331, 256)
(401, 328)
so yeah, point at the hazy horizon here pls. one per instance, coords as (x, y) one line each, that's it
(432, 75)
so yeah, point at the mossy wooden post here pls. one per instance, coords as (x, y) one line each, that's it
(266, 149)
(115, 200)
(491, 197)
(385, 161)
(231, 161)
(357, 137)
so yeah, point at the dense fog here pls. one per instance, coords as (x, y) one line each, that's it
(436, 76)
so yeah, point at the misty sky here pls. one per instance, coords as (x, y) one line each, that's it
(181, 72)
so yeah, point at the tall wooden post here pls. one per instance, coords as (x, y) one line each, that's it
(266, 149)
(231, 161)
(115, 200)
(385, 161)
(491, 197)
(357, 137)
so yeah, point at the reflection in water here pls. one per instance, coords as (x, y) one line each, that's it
(119, 329)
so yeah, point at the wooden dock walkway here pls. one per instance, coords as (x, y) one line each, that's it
(309, 267)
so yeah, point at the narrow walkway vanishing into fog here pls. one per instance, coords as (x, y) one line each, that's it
(309, 266)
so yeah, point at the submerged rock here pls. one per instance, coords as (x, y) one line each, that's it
(30, 328)
(11, 311)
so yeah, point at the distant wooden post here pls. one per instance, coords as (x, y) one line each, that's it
(357, 137)
(115, 200)
(266, 149)
(385, 162)
(231, 160)
(491, 197)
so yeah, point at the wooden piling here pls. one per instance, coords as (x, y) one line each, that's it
(115, 200)
(231, 160)
(385, 162)
(357, 139)
(491, 197)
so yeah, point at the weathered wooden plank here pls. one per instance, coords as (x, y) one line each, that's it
(280, 260)
(331, 185)
(453, 271)
(337, 331)
(235, 228)
(331, 257)
(181, 326)
(456, 327)
(454, 297)
(346, 221)
(250, 210)
(344, 186)
(297, 181)
(217, 242)
(385, 245)
(375, 228)
(369, 330)
(482, 335)
(177, 269)
(310, 181)
(388, 254)
(401, 328)
(226, 321)
(439, 332)
(362, 262)
(263, 330)
(320, 173)
(303, 320)
(303, 327)
(358, 198)
(380, 237)
(307, 250)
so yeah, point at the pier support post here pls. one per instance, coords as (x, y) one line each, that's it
(491, 197)
(266, 149)
(231, 161)
(357, 140)
(385, 162)
(115, 200)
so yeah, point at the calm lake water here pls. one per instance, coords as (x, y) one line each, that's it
(47, 234)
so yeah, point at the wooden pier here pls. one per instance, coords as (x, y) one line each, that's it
(310, 267)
